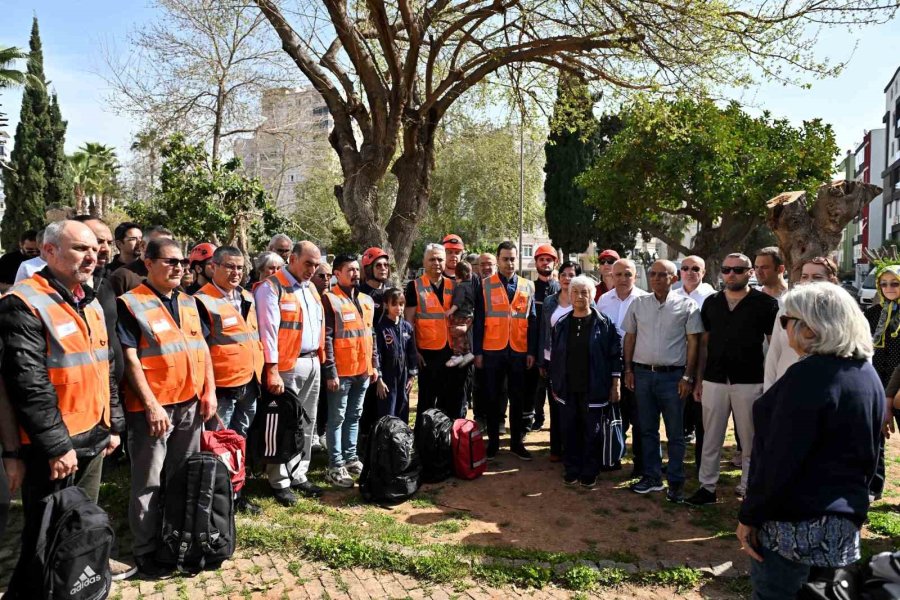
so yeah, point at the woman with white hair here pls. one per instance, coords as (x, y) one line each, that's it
(584, 369)
(816, 446)
(264, 266)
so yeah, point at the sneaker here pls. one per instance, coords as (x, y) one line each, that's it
(148, 568)
(493, 447)
(316, 444)
(646, 485)
(537, 426)
(284, 496)
(675, 493)
(589, 482)
(740, 492)
(570, 479)
(689, 438)
(454, 361)
(635, 474)
(609, 469)
(354, 467)
(521, 452)
(737, 460)
(702, 497)
(339, 477)
(308, 489)
(467, 359)
(246, 506)
(121, 571)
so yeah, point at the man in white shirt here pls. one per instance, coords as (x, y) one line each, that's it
(32, 265)
(693, 269)
(614, 304)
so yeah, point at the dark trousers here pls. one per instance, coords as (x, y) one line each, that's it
(505, 375)
(322, 408)
(440, 386)
(537, 386)
(629, 408)
(556, 434)
(581, 436)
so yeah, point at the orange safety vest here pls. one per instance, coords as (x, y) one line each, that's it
(352, 333)
(77, 355)
(506, 324)
(290, 328)
(432, 327)
(173, 357)
(234, 344)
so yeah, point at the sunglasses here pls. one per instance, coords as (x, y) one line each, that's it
(175, 262)
(607, 261)
(785, 319)
(889, 284)
(694, 269)
(737, 270)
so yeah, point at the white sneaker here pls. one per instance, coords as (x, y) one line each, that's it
(323, 442)
(454, 361)
(354, 467)
(467, 359)
(120, 570)
(339, 476)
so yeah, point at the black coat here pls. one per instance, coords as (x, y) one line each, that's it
(30, 392)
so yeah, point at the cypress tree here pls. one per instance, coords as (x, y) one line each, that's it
(25, 181)
(59, 181)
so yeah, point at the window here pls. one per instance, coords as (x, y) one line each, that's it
(320, 110)
(527, 250)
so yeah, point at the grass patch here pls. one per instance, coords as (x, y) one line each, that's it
(884, 523)
(681, 578)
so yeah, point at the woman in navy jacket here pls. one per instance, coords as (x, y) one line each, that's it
(585, 367)
(816, 446)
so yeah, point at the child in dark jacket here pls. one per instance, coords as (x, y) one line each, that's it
(397, 352)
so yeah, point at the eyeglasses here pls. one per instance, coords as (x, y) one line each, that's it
(230, 267)
(174, 262)
(685, 269)
(131, 238)
(737, 270)
(889, 284)
(607, 261)
(658, 274)
(785, 319)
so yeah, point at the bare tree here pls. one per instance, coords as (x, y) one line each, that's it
(199, 69)
(390, 69)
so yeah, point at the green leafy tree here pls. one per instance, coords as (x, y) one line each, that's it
(26, 179)
(690, 161)
(59, 183)
(203, 201)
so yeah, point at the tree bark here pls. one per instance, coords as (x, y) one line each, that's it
(805, 231)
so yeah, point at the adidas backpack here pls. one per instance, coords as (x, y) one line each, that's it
(71, 558)
(198, 515)
(469, 456)
(433, 446)
(391, 468)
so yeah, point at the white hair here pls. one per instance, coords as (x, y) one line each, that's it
(279, 237)
(53, 231)
(583, 281)
(432, 248)
(268, 259)
(832, 318)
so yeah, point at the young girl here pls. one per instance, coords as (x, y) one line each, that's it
(397, 351)
(461, 312)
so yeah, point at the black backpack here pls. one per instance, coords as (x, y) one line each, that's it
(276, 435)
(71, 558)
(197, 515)
(391, 467)
(434, 447)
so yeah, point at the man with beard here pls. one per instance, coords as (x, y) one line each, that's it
(736, 322)
(9, 262)
(454, 247)
(545, 259)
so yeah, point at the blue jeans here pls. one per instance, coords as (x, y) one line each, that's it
(776, 578)
(237, 406)
(657, 393)
(344, 410)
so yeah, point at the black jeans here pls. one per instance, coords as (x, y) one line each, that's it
(581, 432)
(440, 386)
(505, 376)
(537, 386)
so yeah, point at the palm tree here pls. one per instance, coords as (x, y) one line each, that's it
(10, 77)
(148, 140)
(94, 169)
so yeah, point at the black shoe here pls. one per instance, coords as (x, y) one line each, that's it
(588, 482)
(675, 493)
(689, 438)
(702, 497)
(615, 467)
(492, 448)
(148, 568)
(636, 474)
(646, 485)
(537, 426)
(570, 479)
(521, 452)
(243, 505)
(285, 497)
(308, 489)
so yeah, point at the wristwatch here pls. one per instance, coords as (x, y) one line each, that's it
(688, 379)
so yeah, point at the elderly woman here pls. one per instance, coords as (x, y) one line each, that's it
(264, 266)
(555, 306)
(816, 446)
(585, 367)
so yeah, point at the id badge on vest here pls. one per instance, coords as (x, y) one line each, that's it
(348, 316)
(160, 326)
(498, 295)
(431, 301)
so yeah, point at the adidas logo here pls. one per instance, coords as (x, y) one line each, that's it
(87, 577)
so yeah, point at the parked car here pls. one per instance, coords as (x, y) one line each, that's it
(867, 291)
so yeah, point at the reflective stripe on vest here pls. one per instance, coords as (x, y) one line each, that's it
(234, 344)
(432, 325)
(77, 355)
(506, 324)
(352, 337)
(290, 327)
(173, 356)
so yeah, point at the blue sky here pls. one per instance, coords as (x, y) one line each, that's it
(73, 33)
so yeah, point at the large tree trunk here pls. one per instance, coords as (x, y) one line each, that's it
(805, 231)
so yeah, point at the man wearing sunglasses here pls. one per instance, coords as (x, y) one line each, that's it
(170, 388)
(605, 261)
(737, 321)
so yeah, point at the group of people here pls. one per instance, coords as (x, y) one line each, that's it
(153, 346)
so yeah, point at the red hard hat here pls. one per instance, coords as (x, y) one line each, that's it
(546, 249)
(452, 241)
(373, 254)
(201, 252)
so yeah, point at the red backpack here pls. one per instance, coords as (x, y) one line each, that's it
(467, 443)
(231, 448)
